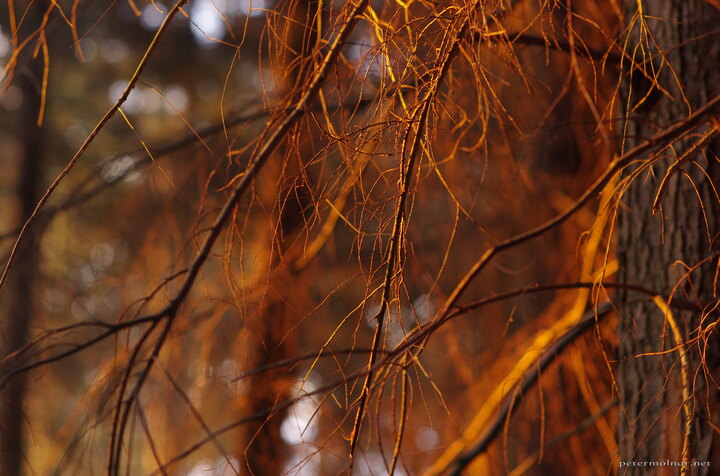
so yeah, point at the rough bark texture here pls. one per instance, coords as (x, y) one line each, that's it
(655, 251)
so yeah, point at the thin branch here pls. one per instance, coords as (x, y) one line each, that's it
(590, 319)
(418, 123)
(96, 130)
(79, 197)
(687, 394)
(409, 342)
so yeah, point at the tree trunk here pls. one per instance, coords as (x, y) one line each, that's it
(267, 453)
(657, 251)
(18, 292)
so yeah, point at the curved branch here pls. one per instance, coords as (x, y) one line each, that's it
(514, 397)
(663, 138)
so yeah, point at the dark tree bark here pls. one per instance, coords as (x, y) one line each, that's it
(656, 251)
(17, 296)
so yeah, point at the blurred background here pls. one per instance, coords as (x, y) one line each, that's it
(261, 368)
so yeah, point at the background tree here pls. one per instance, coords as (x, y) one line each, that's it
(321, 237)
(17, 314)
